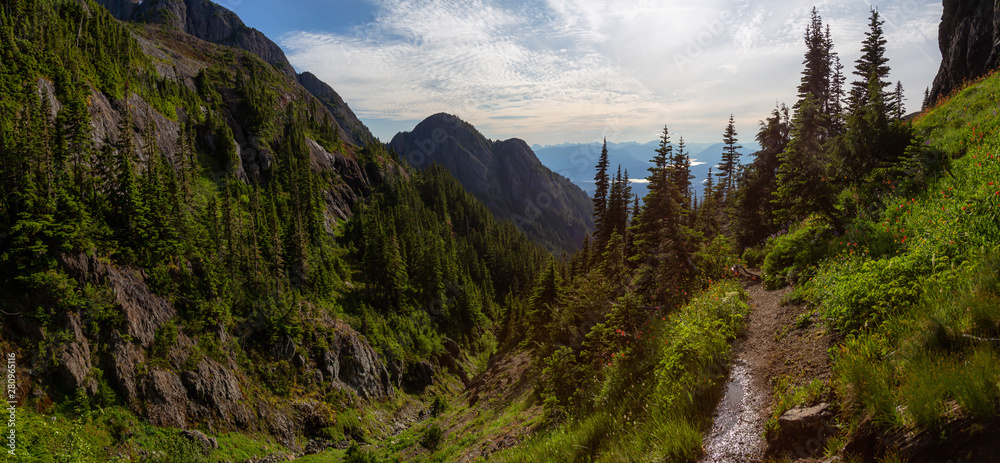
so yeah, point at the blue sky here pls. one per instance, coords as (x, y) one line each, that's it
(558, 71)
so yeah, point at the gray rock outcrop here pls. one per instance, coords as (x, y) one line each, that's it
(350, 361)
(969, 37)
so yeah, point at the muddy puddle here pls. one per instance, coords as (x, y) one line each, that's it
(736, 435)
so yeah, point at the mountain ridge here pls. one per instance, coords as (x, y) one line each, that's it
(504, 174)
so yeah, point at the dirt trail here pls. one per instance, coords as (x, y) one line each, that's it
(771, 347)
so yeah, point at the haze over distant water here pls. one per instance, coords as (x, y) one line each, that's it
(577, 161)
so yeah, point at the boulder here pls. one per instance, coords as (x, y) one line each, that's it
(802, 431)
(198, 437)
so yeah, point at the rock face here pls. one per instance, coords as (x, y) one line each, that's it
(341, 199)
(969, 37)
(506, 176)
(74, 359)
(213, 23)
(178, 394)
(205, 20)
(352, 363)
(352, 129)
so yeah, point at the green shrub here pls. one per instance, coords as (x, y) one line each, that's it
(438, 406)
(791, 257)
(864, 380)
(432, 437)
(754, 257)
(857, 292)
(356, 454)
(347, 426)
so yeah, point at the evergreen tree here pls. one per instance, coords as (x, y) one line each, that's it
(753, 211)
(897, 103)
(730, 159)
(804, 183)
(816, 75)
(680, 176)
(927, 99)
(602, 183)
(871, 67)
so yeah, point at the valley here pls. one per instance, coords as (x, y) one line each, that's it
(206, 255)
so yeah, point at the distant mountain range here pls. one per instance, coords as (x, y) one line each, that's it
(506, 176)
(577, 161)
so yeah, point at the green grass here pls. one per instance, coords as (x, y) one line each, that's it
(915, 284)
(654, 412)
(115, 434)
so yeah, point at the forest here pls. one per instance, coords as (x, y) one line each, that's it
(883, 223)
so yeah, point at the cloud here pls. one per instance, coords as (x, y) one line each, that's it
(578, 70)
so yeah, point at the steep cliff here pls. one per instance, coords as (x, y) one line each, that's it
(969, 37)
(506, 176)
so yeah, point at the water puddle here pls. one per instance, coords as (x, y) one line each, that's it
(737, 429)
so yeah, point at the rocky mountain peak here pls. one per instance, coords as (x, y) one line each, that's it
(506, 175)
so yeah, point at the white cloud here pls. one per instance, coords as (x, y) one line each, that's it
(580, 70)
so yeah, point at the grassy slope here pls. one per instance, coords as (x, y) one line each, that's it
(647, 409)
(915, 283)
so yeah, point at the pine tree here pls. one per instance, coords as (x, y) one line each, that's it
(730, 159)
(835, 104)
(872, 66)
(680, 176)
(804, 183)
(927, 99)
(602, 183)
(897, 103)
(659, 186)
(815, 79)
(753, 211)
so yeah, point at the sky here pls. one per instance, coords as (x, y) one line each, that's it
(577, 71)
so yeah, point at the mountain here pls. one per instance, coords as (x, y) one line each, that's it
(577, 161)
(202, 19)
(194, 237)
(506, 176)
(213, 23)
(969, 38)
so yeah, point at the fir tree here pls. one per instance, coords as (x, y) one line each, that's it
(804, 183)
(602, 183)
(897, 103)
(730, 159)
(872, 66)
(753, 211)
(680, 176)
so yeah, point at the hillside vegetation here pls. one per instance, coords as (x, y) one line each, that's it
(188, 242)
